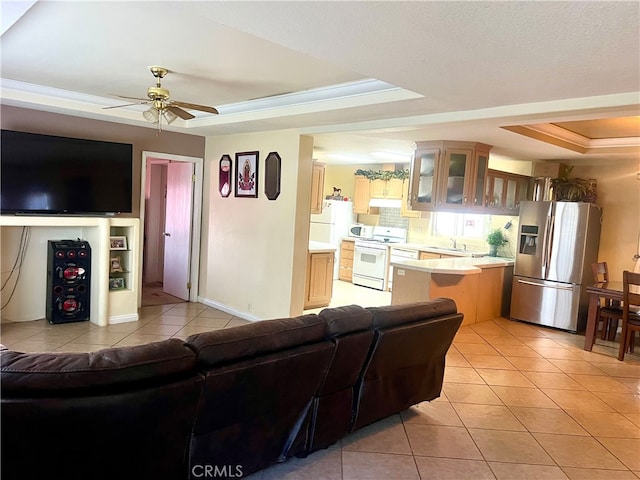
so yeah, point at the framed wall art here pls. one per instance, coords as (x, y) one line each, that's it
(246, 184)
(224, 176)
(272, 172)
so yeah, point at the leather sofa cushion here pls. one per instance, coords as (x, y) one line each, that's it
(31, 373)
(231, 344)
(341, 320)
(394, 315)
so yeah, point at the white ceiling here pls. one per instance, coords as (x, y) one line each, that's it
(360, 77)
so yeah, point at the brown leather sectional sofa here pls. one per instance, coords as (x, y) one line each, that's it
(221, 404)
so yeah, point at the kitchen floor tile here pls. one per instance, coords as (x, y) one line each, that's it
(560, 380)
(511, 471)
(600, 383)
(516, 351)
(321, 465)
(625, 449)
(471, 393)
(496, 417)
(575, 451)
(456, 359)
(489, 361)
(441, 441)
(432, 413)
(511, 447)
(622, 402)
(462, 375)
(503, 340)
(508, 378)
(523, 397)
(598, 474)
(548, 420)
(431, 468)
(577, 400)
(385, 436)
(606, 424)
(537, 364)
(576, 366)
(376, 466)
(477, 348)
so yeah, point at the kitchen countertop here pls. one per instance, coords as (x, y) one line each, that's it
(454, 266)
(443, 250)
(320, 247)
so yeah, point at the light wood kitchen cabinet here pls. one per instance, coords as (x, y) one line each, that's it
(317, 187)
(319, 283)
(405, 208)
(505, 191)
(449, 175)
(389, 189)
(346, 261)
(361, 195)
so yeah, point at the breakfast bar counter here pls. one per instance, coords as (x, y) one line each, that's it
(481, 287)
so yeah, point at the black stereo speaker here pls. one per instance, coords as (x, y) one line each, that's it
(68, 281)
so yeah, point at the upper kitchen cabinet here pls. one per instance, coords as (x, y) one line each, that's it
(389, 189)
(449, 175)
(422, 191)
(505, 191)
(361, 195)
(317, 187)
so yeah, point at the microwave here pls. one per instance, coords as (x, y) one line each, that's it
(361, 231)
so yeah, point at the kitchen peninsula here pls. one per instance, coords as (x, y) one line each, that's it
(481, 287)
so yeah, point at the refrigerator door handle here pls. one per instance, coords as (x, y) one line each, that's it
(547, 260)
(535, 284)
(545, 245)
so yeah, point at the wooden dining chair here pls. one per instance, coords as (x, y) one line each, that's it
(630, 312)
(608, 312)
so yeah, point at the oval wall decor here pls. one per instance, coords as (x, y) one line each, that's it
(272, 172)
(224, 176)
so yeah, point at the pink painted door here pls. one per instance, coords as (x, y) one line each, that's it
(177, 232)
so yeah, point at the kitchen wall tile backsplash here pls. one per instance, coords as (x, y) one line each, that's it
(390, 217)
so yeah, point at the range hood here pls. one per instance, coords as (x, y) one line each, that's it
(385, 202)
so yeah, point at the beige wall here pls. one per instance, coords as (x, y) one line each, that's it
(619, 195)
(254, 249)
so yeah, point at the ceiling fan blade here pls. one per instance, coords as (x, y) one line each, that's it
(195, 106)
(129, 98)
(125, 105)
(179, 112)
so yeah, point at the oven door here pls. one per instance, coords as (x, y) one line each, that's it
(369, 267)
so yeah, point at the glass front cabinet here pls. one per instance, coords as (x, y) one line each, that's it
(448, 175)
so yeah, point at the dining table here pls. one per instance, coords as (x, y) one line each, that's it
(607, 290)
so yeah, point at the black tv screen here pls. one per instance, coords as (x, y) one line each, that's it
(44, 174)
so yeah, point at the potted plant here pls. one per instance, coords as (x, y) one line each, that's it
(495, 239)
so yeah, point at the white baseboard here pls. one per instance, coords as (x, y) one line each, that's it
(132, 317)
(224, 308)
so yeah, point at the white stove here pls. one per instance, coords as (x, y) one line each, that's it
(371, 257)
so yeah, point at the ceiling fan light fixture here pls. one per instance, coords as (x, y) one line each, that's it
(169, 116)
(151, 115)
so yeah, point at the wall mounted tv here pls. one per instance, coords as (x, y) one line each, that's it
(44, 174)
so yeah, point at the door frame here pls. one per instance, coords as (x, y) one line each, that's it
(196, 214)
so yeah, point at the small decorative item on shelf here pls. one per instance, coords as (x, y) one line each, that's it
(116, 283)
(116, 264)
(118, 243)
(495, 239)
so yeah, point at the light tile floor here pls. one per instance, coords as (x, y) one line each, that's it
(519, 402)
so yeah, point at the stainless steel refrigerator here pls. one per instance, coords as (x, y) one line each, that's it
(557, 243)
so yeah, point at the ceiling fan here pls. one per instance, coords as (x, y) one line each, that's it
(161, 105)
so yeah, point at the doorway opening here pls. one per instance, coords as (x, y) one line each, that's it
(171, 197)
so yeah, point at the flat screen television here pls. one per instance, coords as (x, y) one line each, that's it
(45, 174)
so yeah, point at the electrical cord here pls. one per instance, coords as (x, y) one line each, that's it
(17, 265)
